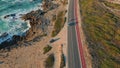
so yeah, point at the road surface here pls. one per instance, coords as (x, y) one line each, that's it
(75, 52)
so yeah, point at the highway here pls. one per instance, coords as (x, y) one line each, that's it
(75, 51)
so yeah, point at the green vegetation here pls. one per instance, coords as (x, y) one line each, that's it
(112, 5)
(50, 61)
(47, 49)
(62, 64)
(59, 23)
(102, 29)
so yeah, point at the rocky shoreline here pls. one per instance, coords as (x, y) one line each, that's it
(39, 26)
(28, 51)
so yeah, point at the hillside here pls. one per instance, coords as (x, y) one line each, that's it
(102, 29)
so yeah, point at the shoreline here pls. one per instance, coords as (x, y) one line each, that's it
(12, 38)
(40, 23)
(4, 38)
(28, 52)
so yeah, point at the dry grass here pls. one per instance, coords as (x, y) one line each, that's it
(112, 5)
(102, 29)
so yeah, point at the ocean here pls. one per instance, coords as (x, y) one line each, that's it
(10, 13)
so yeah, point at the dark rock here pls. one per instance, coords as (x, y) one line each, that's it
(49, 5)
(1, 62)
(6, 16)
(8, 45)
(10, 15)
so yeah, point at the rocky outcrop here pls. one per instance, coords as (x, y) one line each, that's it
(39, 25)
(49, 5)
(7, 45)
(11, 15)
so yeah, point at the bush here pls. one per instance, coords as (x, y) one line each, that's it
(47, 49)
(62, 64)
(59, 23)
(50, 61)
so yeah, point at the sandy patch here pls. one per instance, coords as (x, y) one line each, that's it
(26, 57)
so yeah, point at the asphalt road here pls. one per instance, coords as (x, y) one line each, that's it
(73, 48)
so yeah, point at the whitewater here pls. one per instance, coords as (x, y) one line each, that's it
(10, 17)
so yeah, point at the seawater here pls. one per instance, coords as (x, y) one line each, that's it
(12, 23)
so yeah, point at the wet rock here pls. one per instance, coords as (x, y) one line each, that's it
(6, 16)
(4, 35)
(10, 15)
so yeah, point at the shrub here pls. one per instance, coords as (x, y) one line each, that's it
(47, 49)
(50, 61)
(62, 64)
(59, 23)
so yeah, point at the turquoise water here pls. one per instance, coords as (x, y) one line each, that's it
(10, 13)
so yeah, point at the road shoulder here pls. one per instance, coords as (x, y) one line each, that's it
(83, 40)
